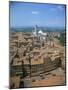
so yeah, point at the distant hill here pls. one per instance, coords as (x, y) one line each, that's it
(30, 29)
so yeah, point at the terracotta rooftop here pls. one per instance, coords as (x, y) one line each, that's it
(54, 80)
(15, 80)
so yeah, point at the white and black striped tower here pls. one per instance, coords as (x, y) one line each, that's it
(36, 30)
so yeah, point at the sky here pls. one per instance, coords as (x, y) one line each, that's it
(30, 14)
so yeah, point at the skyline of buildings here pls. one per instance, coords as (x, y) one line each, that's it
(37, 45)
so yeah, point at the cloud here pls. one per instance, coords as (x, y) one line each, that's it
(52, 9)
(35, 12)
(60, 8)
